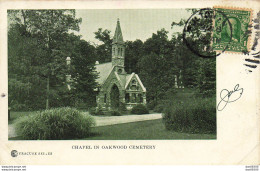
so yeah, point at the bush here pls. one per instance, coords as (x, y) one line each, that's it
(115, 113)
(196, 115)
(151, 104)
(159, 108)
(96, 111)
(122, 107)
(139, 109)
(92, 111)
(55, 124)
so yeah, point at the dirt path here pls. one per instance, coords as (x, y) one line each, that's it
(112, 120)
(106, 120)
(11, 131)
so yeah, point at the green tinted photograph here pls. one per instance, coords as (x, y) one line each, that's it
(121, 74)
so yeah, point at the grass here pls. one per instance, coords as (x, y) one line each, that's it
(143, 130)
(16, 115)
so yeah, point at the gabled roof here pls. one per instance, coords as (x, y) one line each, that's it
(123, 78)
(106, 68)
(138, 79)
(121, 81)
(129, 79)
(118, 37)
(140, 82)
(103, 71)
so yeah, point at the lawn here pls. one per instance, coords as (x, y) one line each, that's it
(143, 130)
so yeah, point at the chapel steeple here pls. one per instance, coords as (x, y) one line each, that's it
(118, 37)
(118, 49)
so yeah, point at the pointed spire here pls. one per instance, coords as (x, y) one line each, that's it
(118, 37)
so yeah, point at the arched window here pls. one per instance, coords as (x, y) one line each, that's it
(118, 51)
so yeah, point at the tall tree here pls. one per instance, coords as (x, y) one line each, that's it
(133, 53)
(83, 73)
(198, 72)
(45, 43)
(104, 50)
(157, 70)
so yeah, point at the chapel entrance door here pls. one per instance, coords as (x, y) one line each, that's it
(114, 97)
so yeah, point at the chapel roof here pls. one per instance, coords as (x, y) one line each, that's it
(118, 36)
(103, 71)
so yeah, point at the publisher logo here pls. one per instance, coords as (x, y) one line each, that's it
(14, 153)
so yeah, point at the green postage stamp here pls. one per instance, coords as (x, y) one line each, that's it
(231, 29)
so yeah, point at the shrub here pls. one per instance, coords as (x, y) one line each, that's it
(55, 124)
(195, 115)
(159, 108)
(151, 104)
(122, 107)
(96, 111)
(115, 113)
(139, 109)
(92, 111)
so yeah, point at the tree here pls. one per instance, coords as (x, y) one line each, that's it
(45, 43)
(24, 57)
(133, 53)
(83, 72)
(104, 50)
(156, 67)
(198, 72)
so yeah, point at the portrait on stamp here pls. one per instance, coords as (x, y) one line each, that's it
(231, 29)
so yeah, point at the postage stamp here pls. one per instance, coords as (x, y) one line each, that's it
(231, 29)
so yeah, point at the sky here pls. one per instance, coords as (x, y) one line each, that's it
(135, 23)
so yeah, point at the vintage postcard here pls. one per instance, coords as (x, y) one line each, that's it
(121, 82)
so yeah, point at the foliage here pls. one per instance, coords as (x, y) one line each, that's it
(104, 50)
(115, 113)
(142, 130)
(82, 72)
(194, 115)
(40, 40)
(133, 52)
(92, 111)
(15, 115)
(151, 104)
(55, 124)
(122, 107)
(38, 44)
(157, 67)
(139, 109)
(96, 111)
(159, 108)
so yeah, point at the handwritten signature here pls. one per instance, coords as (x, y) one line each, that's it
(229, 96)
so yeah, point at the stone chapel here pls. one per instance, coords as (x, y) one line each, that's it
(116, 87)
